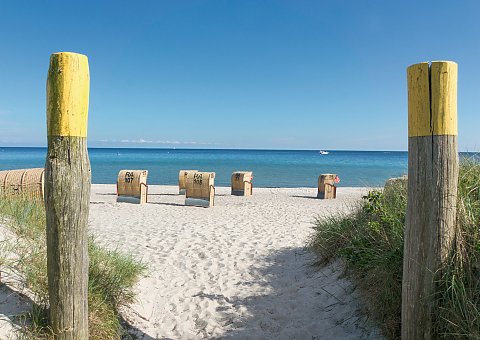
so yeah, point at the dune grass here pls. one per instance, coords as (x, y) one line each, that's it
(112, 274)
(370, 241)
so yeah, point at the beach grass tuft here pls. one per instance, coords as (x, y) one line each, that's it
(112, 274)
(370, 241)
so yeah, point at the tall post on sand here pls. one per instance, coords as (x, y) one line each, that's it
(67, 194)
(432, 190)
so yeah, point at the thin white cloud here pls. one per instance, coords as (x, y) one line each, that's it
(144, 141)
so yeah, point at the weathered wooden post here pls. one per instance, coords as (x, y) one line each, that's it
(67, 194)
(432, 190)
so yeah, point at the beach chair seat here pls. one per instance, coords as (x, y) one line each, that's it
(242, 183)
(200, 189)
(326, 186)
(27, 182)
(132, 186)
(182, 180)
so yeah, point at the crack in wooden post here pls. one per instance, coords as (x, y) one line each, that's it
(432, 190)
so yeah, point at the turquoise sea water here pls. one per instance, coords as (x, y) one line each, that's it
(272, 168)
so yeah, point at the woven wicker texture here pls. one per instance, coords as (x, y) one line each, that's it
(242, 181)
(182, 178)
(200, 185)
(132, 183)
(29, 182)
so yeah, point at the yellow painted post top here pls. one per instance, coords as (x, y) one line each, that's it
(432, 99)
(68, 88)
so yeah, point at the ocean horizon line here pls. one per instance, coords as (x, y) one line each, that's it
(213, 149)
(225, 149)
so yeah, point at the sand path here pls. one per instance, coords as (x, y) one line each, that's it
(237, 270)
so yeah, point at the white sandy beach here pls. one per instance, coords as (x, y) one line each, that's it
(236, 270)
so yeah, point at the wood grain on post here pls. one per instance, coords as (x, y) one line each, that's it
(67, 194)
(432, 190)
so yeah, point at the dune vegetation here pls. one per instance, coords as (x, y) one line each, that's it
(112, 274)
(370, 242)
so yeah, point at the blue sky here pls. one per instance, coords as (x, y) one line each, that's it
(238, 74)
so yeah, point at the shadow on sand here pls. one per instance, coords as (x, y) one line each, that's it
(167, 194)
(166, 203)
(292, 300)
(133, 333)
(13, 307)
(309, 197)
(297, 301)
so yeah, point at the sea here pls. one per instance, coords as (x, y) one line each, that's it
(271, 168)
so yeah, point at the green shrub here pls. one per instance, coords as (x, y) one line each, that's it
(370, 241)
(112, 274)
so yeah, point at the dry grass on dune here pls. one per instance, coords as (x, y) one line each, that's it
(111, 273)
(370, 241)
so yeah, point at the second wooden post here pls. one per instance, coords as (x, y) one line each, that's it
(432, 190)
(67, 194)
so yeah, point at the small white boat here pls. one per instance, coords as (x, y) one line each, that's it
(322, 152)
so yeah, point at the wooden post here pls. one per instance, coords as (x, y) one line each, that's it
(432, 190)
(67, 194)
